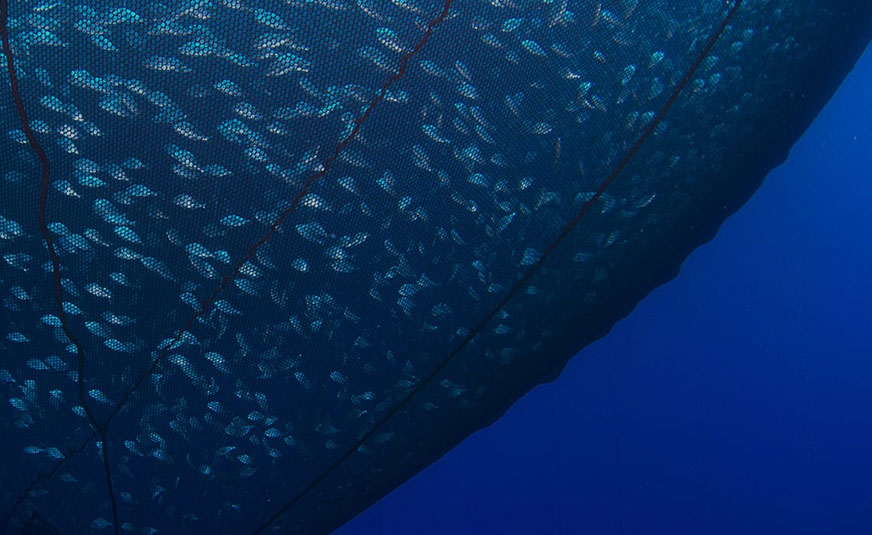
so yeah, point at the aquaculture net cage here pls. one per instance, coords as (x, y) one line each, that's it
(264, 261)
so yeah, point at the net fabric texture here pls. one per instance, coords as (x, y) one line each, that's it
(419, 165)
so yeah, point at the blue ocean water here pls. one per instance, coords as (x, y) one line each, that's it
(672, 429)
(735, 399)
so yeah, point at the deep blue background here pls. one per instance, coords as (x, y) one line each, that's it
(735, 399)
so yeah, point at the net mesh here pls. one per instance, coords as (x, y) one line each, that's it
(303, 248)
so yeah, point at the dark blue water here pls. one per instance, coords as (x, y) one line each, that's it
(732, 401)
(735, 399)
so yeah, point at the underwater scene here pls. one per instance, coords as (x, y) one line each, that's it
(734, 399)
(265, 261)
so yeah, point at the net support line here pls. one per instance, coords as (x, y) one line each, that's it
(628, 156)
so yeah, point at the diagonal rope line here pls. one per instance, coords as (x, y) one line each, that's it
(206, 305)
(655, 122)
(19, 500)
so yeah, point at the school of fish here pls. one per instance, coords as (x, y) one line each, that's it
(179, 131)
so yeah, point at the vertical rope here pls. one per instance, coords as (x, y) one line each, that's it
(45, 172)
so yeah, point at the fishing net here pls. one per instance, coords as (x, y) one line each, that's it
(264, 261)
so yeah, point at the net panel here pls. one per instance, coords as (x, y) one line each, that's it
(224, 380)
